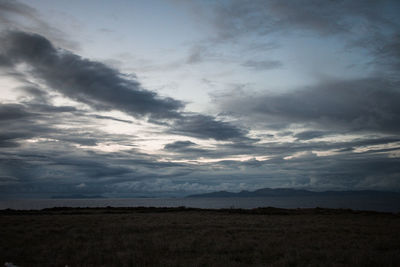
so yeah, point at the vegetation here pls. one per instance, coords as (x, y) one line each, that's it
(194, 237)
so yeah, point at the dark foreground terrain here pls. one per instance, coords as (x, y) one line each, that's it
(192, 237)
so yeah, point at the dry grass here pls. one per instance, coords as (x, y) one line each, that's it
(188, 237)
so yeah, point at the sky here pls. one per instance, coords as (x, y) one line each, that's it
(169, 98)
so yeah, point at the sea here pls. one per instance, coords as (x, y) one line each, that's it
(381, 204)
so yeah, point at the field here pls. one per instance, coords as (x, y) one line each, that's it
(193, 237)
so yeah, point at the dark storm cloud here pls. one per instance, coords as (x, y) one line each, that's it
(4, 61)
(12, 112)
(86, 81)
(355, 105)
(262, 65)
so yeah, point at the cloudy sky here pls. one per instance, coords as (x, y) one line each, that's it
(170, 97)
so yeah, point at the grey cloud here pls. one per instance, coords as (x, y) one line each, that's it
(179, 145)
(279, 150)
(86, 81)
(51, 109)
(285, 133)
(387, 54)
(203, 52)
(355, 105)
(94, 168)
(372, 26)
(235, 18)
(111, 118)
(85, 141)
(262, 65)
(13, 135)
(196, 54)
(12, 112)
(8, 143)
(349, 171)
(39, 101)
(205, 127)
(20, 122)
(263, 17)
(187, 150)
(264, 46)
(307, 135)
(9, 7)
(39, 95)
(40, 169)
(4, 62)
(373, 141)
(8, 180)
(15, 15)
(342, 172)
(8, 139)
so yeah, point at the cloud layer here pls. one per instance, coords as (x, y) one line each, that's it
(356, 105)
(77, 125)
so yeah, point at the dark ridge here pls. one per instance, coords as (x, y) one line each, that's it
(125, 210)
(76, 196)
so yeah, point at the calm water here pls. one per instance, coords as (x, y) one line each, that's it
(387, 204)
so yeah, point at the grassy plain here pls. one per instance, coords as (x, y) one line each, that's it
(192, 237)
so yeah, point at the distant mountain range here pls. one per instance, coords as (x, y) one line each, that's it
(286, 192)
(76, 196)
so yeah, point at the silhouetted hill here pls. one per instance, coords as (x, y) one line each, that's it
(287, 192)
